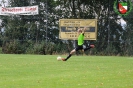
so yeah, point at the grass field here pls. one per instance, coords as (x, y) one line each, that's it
(44, 71)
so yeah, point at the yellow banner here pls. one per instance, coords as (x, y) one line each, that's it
(69, 27)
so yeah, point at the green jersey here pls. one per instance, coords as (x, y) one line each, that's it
(81, 39)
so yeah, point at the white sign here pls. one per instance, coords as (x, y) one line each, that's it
(28, 10)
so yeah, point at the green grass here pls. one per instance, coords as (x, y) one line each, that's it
(44, 71)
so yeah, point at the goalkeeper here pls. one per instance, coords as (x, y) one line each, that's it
(81, 33)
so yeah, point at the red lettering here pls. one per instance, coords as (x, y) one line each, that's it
(11, 9)
(3, 9)
(30, 8)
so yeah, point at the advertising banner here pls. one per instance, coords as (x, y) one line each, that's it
(28, 10)
(68, 28)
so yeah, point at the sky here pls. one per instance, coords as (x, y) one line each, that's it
(3, 3)
(122, 21)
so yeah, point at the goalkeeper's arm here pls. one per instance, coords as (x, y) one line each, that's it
(83, 30)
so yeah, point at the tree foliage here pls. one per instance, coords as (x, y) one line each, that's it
(36, 32)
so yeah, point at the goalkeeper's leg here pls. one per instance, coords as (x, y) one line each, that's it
(73, 51)
(70, 54)
(91, 46)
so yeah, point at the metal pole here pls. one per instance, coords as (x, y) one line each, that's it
(46, 19)
(108, 25)
(46, 23)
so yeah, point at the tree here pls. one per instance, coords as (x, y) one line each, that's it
(36, 27)
(44, 26)
(103, 11)
(127, 38)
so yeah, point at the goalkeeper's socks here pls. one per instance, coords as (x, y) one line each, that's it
(91, 46)
(87, 48)
(68, 56)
